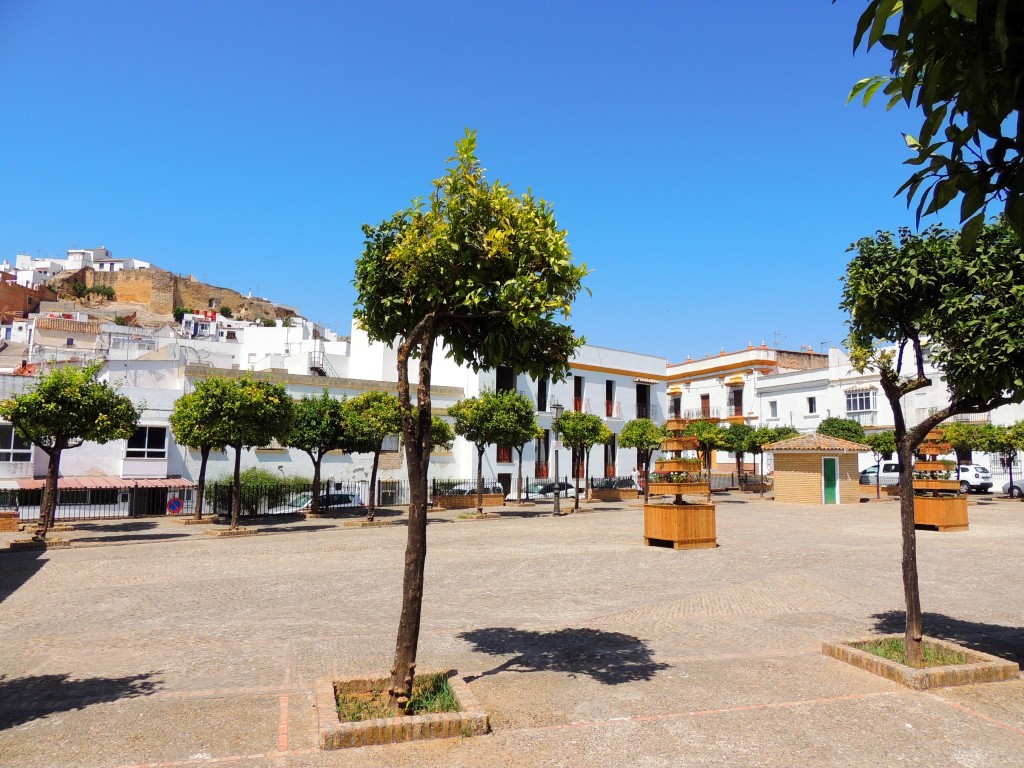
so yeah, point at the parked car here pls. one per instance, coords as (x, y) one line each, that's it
(890, 474)
(974, 477)
(469, 489)
(1016, 490)
(328, 501)
(545, 490)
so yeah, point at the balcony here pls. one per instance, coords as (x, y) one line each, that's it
(612, 409)
(504, 454)
(678, 419)
(864, 418)
(917, 415)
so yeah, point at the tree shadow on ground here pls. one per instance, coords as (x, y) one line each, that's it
(996, 639)
(134, 537)
(611, 658)
(18, 567)
(27, 698)
(125, 527)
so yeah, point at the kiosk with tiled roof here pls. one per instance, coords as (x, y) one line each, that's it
(816, 469)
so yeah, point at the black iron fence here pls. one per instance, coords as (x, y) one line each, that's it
(102, 503)
(293, 498)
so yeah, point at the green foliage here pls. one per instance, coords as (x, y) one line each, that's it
(961, 63)
(323, 424)
(288, 321)
(505, 418)
(844, 429)
(442, 436)
(377, 416)
(120, 320)
(762, 436)
(268, 322)
(180, 312)
(736, 438)
(581, 431)
(198, 420)
(226, 311)
(68, 406)
(966, 308)
(642, 434)
(81, 291)
(881, 443)
(488, 272)
(709, 436)
(255, 412)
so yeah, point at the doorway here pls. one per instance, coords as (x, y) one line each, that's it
(830, 480)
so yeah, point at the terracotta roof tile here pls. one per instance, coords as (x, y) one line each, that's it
(816, 442)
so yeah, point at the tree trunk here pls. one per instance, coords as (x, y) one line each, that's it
(48, 505)
(574, 471)
(314, 502)
(417, 452)
(878, 479)
(760, 479)
(236, 489)
(519, 478)
(204, 454)
(911, 591)
(586, 475)
(480, 479)
(371, 503)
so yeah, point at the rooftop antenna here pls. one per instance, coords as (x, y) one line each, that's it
(777, 335)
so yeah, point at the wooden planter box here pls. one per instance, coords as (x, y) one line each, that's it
(947, 513)
(9, 520)
(468, 501)
(937, 485)
(676, 425)
(613, 494)
(677, 465)
(934, 449)
(681, 526)
(679, 444)
(934, 466)
(688, 489)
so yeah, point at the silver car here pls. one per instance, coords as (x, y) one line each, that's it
(890, 474)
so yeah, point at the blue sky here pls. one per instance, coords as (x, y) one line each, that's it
(700, 155)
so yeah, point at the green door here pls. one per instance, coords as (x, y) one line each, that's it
(830, 474)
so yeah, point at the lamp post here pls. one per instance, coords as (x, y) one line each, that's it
(556, 409)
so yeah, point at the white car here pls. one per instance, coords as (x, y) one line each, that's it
(544, 489)
(890, 474)
(976, 478)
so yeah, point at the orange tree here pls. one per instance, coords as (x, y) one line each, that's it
(487, 275)
(923, 297)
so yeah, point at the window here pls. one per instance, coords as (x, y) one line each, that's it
(12, 447)
(542, 395)
(147, 443)
(504, 454)
(773, 409)
(505, 379)
(812, 406)
(862, 400)
(70, 342)
(390, 444)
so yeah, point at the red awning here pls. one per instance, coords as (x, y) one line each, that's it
(106, 481)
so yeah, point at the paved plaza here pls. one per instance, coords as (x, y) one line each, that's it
(150, 643)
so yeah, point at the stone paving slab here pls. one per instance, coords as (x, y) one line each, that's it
(587, 647)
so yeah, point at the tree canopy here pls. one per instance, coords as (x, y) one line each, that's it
(581, 432)
(65, 408)
(375, 416)
(645, 436)
(961, 63)
(321, 424)
(844, 429)
(489, 274)
(198, 422)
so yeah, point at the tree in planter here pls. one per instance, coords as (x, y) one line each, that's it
(515, 423)
(924, 295)
(65, 408)
(645, 436)
(736, 439)
(844, 429)
(710, 437)
(882, 445)
(254, 413)
(581, 432)
(487, 275)
(197, 422)
(322, 424)
(377, 417)
(476, 420)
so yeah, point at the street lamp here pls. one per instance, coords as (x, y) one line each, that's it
(556, 409)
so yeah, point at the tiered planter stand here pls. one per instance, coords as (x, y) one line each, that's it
(680, 524)
(938, 503)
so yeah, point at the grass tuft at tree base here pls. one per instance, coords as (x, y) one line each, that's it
(430, 693)
(891, 648)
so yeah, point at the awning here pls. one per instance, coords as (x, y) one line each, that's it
(106, 481)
